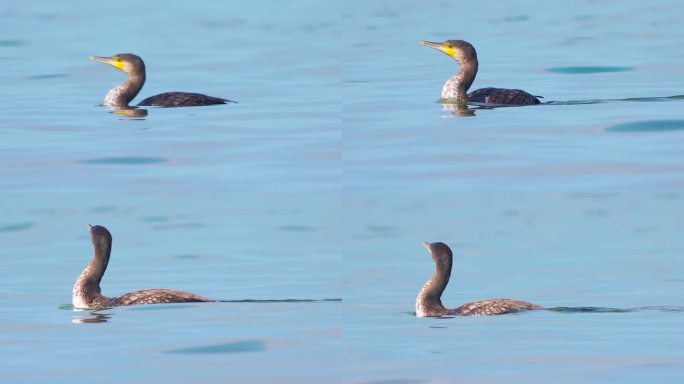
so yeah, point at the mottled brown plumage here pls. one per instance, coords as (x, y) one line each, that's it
(456, 87)
(492, 307)
(181, 99)
(157, 296)
(502, 96)
(429, 303)
(87, 294)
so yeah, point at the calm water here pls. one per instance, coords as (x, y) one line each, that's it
(324, 180)
(397, 138)
(233, 202)
(556, 250)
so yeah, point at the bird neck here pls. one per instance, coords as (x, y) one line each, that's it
(456, 88)
(87, 287)
(429, 300)
(123, 94)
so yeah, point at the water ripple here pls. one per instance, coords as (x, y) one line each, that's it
(297, 228)
(648, 126)
(47, 76)
(12, 43)
(395, 381)
(16, 227)
(125, 160)
(658, 308)
(232, 347)
(582, 70)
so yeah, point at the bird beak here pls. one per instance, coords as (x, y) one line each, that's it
(90, 227)
(449, 51)
(118, 64)
(106, 60)
(427, 246)
(426, 44)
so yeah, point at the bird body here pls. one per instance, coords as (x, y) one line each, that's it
(502, 96)
(181, 99)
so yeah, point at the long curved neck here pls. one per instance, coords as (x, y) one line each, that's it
(87, 287)
(429, 302)
(123, 94)
(457, 86)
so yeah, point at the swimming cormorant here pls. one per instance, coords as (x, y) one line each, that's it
(456, 87)
(429, 303)
(86, 293)
(134, 67)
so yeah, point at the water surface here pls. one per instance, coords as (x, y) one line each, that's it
(211, 200)
(574, 203)
(323, 182)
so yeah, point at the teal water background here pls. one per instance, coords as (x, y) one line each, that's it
(231, 202)
(324, 180)
(573, 203)
(395, 139)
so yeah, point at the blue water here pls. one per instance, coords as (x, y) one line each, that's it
(398, 138)
(231, 202)
(556, 250)
(324, 179)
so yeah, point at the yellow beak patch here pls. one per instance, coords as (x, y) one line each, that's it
(118, 64)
